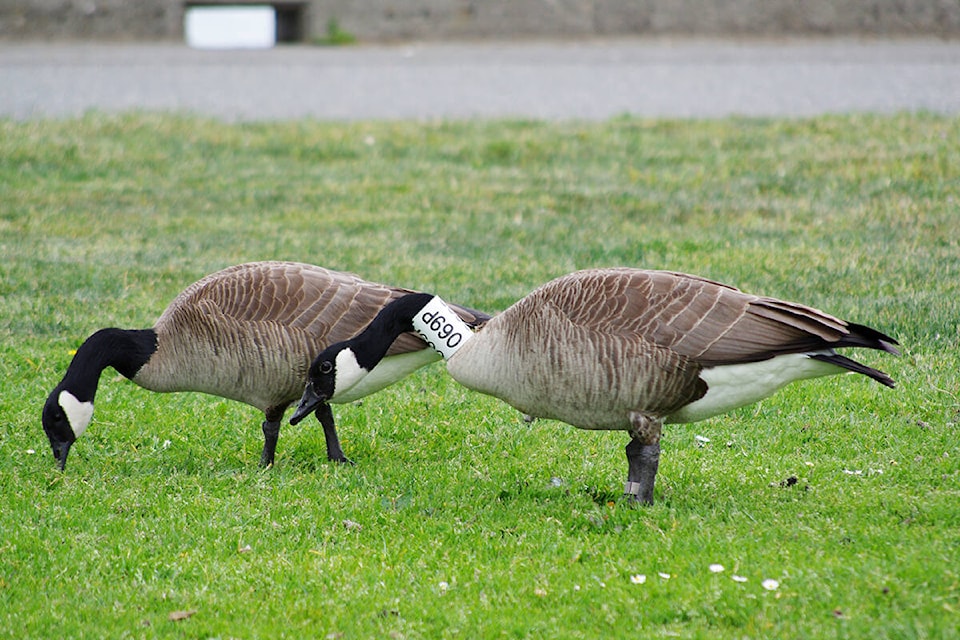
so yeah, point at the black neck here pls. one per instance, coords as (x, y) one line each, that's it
(124, 350)
(372, 344)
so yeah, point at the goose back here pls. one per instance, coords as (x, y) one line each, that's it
(710, 322)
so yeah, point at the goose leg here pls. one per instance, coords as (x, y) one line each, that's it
(334, 453)
(642, 473)
(271, 431)
(643, 458)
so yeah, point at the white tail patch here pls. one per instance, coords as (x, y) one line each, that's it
(443, 329)
(79, 414)
(737, 385)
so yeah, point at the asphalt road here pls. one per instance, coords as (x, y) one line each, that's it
(555, 80)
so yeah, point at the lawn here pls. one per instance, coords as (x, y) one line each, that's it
(832, 510)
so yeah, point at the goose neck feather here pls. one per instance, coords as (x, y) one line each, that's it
(125, 350)
(372, 344)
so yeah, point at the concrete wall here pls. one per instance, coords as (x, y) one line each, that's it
(91, 19)
(392, 20)
(444, 19)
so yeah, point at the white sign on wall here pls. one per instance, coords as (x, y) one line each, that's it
(231, 27)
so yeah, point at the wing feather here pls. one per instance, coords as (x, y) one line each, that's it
(709, 322)
(326, 306)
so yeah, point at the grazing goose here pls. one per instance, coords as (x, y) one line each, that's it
(246, 333)
(615, 349)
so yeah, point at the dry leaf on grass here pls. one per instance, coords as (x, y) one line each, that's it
(177, 616)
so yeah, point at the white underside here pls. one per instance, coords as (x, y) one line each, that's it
(354, 382)
(738, 385)
(79, 414)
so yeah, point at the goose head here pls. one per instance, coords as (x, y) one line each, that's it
(343, 365)
(65, 418)
(69, 407)
(333, 372)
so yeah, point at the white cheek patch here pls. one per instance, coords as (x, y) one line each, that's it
(349, 373)
(78, 413)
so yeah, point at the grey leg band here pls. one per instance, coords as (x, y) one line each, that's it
(632, 488)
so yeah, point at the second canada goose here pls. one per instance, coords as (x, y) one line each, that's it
(616, 349)
(246, 333)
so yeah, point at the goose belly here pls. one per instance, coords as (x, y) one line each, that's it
(262, 383)
(550, 401)
(734, 386)
(263, 377)
(562, 387)
(256, 365)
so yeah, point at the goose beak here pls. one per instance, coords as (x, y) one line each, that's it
(60, 450)
(308, 403)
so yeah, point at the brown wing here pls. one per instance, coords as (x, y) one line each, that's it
(328, 305)
(708, 322)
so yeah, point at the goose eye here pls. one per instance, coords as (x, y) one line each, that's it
(326, 367)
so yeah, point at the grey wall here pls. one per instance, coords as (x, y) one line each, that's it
(91, 19)
(428, 19)
(391, 20)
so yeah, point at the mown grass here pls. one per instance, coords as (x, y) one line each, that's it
(459, 519)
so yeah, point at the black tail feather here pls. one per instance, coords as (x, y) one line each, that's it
(863, 336)
(856, 367)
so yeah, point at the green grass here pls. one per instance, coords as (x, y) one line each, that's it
(472, 523)
(336, 36)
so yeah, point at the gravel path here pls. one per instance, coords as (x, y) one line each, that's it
(552, 80)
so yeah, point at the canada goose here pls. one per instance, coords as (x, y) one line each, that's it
(246, 333)
(616, 349)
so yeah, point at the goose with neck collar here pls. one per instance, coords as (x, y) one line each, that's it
(619, 349)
